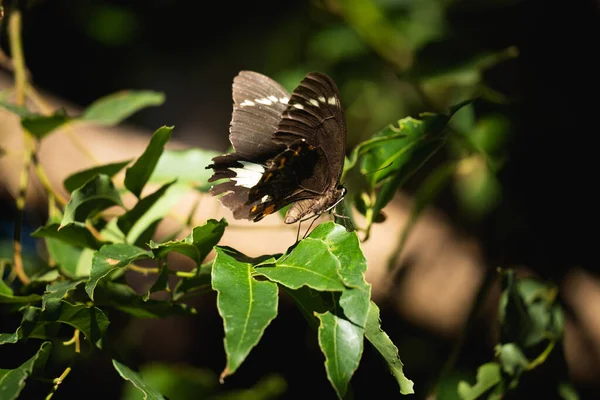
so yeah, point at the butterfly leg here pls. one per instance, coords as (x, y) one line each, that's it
(310, 226)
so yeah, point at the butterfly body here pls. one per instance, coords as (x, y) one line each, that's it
(289, 149)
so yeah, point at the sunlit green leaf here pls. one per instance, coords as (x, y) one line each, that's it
(13, 381)
(309, 264)
(133, 377)
(387, 349)
(79, 178)
(116, 107)
(246, 305)
(12, 299)
(110, 258)
(197, 244)
(138, 174)
(93, 197)
(342, 343)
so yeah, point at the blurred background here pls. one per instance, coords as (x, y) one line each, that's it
(526, 203)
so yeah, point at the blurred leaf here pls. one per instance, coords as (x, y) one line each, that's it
(75, 233)
(78, 179)
(93, 197)
(295, 270)
(197, 244)
(84, 264)
(21, 111)
(512, 359)
(341, 343)
(42, 125)
(111, 24)
(4, 288)
(177, 382)
(188, 166)
(371, 24)
(567, 392)
(109, 258)
(425, 195)
(138, 174)
(116, 107)
(386, 348)
(246, 305)
(160, 284)
(124, 298)
(13, 381)
(488, 376)
(136, 380)
(57, 290)
(336, 44)
(145, 212)
(6, 298)
(477, 188)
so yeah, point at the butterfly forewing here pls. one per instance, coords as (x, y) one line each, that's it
(258, 105)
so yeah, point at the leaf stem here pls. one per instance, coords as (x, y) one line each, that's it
(57, 382)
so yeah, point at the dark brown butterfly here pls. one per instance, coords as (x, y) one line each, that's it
(288, 149)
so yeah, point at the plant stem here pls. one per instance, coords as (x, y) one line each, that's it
(14, 25)
(62, 377)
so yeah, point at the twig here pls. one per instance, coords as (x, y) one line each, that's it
(61, 378)
(14, 25)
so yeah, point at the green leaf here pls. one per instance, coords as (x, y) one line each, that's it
(138, 174)
(96, 195)
(110, 258)
(91, 321)
(567, 392)
(141, 221)
(247, 306)
(75, 233)
(161, 283)
(512, 359)
(15, 109)
(9, 338)
(309, 264)
(116, 107)
(136, 379)
(78, 179)
(187, 166)
(197, 244)
(310, 303)
(4, 288)
(55, 291)
(42, 125)
(386, 348)
(124, 298)
(345, 247)
(341, 343)
(13, 381)
(488, 376)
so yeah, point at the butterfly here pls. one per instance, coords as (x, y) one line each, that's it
(288, 149)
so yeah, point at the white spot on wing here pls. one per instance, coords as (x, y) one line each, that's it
(273, 99)
(332, 101)
(264, 101)
(322, 99)
(247, 103)
(265, 198)
(314, 102)
(299, 106)
(284, 100)
(249, 175)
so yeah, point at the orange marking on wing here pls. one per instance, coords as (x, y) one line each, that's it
(268, 176)
(269, 210)
(282, 162)
(253, 209)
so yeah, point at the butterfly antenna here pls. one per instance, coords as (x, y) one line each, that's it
(378, 169)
